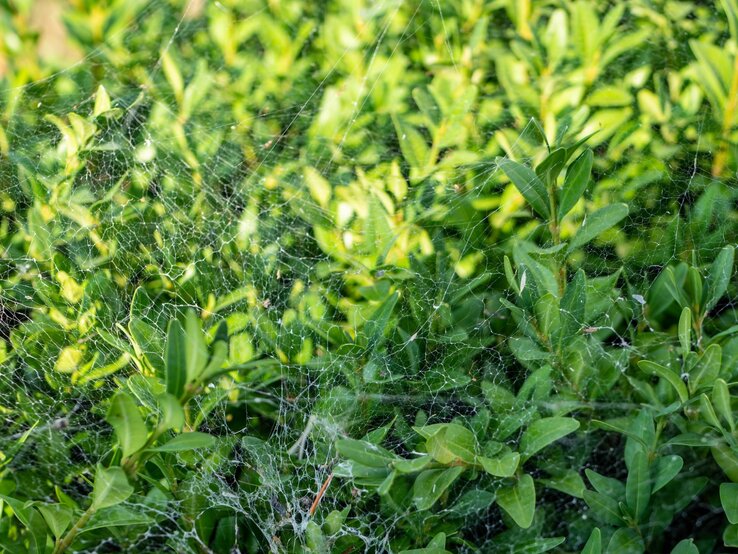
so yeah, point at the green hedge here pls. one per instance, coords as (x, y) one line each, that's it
(422, 276)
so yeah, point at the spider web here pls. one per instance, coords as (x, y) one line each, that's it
(249, 167)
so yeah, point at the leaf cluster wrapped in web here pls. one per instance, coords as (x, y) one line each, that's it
(291, 276)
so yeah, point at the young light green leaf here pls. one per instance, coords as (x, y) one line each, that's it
(652, 368)
(197, 350)
(575, 183)
(186, 441)
(57, 516)
(519, 501)
(172, 414)
(638, 485)
(729, 501)
(597, 223)
(412, 144)
(111, 487)
(529, 185)
(501, 466)
(215, 365)
(543, 432)
(102, 101)
(129, 427)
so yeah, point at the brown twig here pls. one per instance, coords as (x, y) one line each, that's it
(320, 494)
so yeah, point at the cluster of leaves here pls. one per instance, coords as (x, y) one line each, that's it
(368, 276)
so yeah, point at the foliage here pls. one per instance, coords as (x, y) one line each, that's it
(415, 277)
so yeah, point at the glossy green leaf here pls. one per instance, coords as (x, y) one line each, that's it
(668, 375)
(111, 487)
(685, 330)
(575, 183)
(186, 441)
(176, 359)
(529, 185)
(729, 501)
(197, 352)
(603, 507)
(501, 466)
(519, 501)
(430, 485)
(597, 223)
(543, 432)
(718, 277)
(638, 485)
(125, 418)
(57, 516)
(594, 543)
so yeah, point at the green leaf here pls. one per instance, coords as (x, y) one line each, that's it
(412, 144)
(603, 507)
(729, 501)
(685, 330)
(452, 443)
(519, 501)
(652, 368)
(172, 413)
(543, 432)
(730, 535)
(431, 484)
(436, 546)
(638, 485)
(111, 487)
(594, 543)
(707, 368)
(197, 350)
(605, 485)
(529, 185)
(501, 466)
(364, 452)
(176, 359)
(625, 541)
(685, 547)
(412, 466)
(718, 277)
(129, 427)
(215, 365)
(186, 441)
(721, 401)
(575, 183)
(573, 305)
(102, 101)
(665, 469)
(597, 223)
(57, 516)
(548, 170)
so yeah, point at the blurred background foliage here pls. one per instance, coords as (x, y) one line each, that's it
(322, 176)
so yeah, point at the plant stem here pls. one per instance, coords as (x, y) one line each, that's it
(72, 534)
